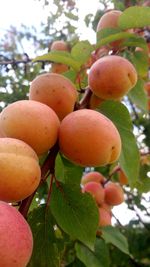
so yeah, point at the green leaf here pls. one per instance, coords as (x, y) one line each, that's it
(45, 253)
(82, 51)
(138, 96)
(130, 158)
(59, 57)
(97, 258)
(143, 185)
(134, 17)
(67, 172)
(71, 16)
(114, 236)
(107, 32)
(136, 41)
(112, 38)
(76, 213)
(140, 61)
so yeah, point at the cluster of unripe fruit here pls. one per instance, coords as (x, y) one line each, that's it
(106, 194)
(30, 128)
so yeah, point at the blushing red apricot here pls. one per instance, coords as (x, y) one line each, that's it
(96, 190)
(59, 68)
(113, 194)
(32, 122)
(92, 177)
(88, 138)
(16, 242)
(112, 77)
(104, 217)
(20, 170)
(110, 20)
(56, 91)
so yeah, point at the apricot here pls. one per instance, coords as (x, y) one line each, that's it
(88, 138)
(59, 46)
(113, 194)
(95, 101)
(112, 77)
(20, 170)
(56, 91)
(92, 177)
(110, 20)
(59, 68)
(32, 122)
(16, 242)
(147, 89)
(104, 217)
(96, 190)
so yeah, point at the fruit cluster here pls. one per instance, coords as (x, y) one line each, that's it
(53, 115)
(106, 194)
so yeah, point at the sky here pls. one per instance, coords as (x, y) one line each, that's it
(30, 12)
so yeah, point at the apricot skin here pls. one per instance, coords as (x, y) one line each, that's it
(56, 91)
(123, 179)
(104, 217)
(92, 177)
(95, 101)
(113, 194)
(20, 170)
(112, 77)
(32, 122)
(96, 190)
(16, 242)
(88, 138)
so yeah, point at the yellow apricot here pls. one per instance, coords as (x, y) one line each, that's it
(20, 170)
(92, 177)
(88, 138)
(123, 179)
(32, 122)
(112, 77)
(56, 91)
(113, 194)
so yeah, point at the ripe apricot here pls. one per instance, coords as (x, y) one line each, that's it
(104, 217)
(95, 101)
(113, 194)
(56, 91)
(59, 68)
(32, 122)
(16, 242)
(112, 77)
(20, 170)
(88, 138)
(92, 177)
(110, 20)
(96, 190)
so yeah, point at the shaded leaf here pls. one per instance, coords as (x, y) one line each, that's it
(114, 236)
(76, 213)
(97, 258)
(82, 51)
(45, 253)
